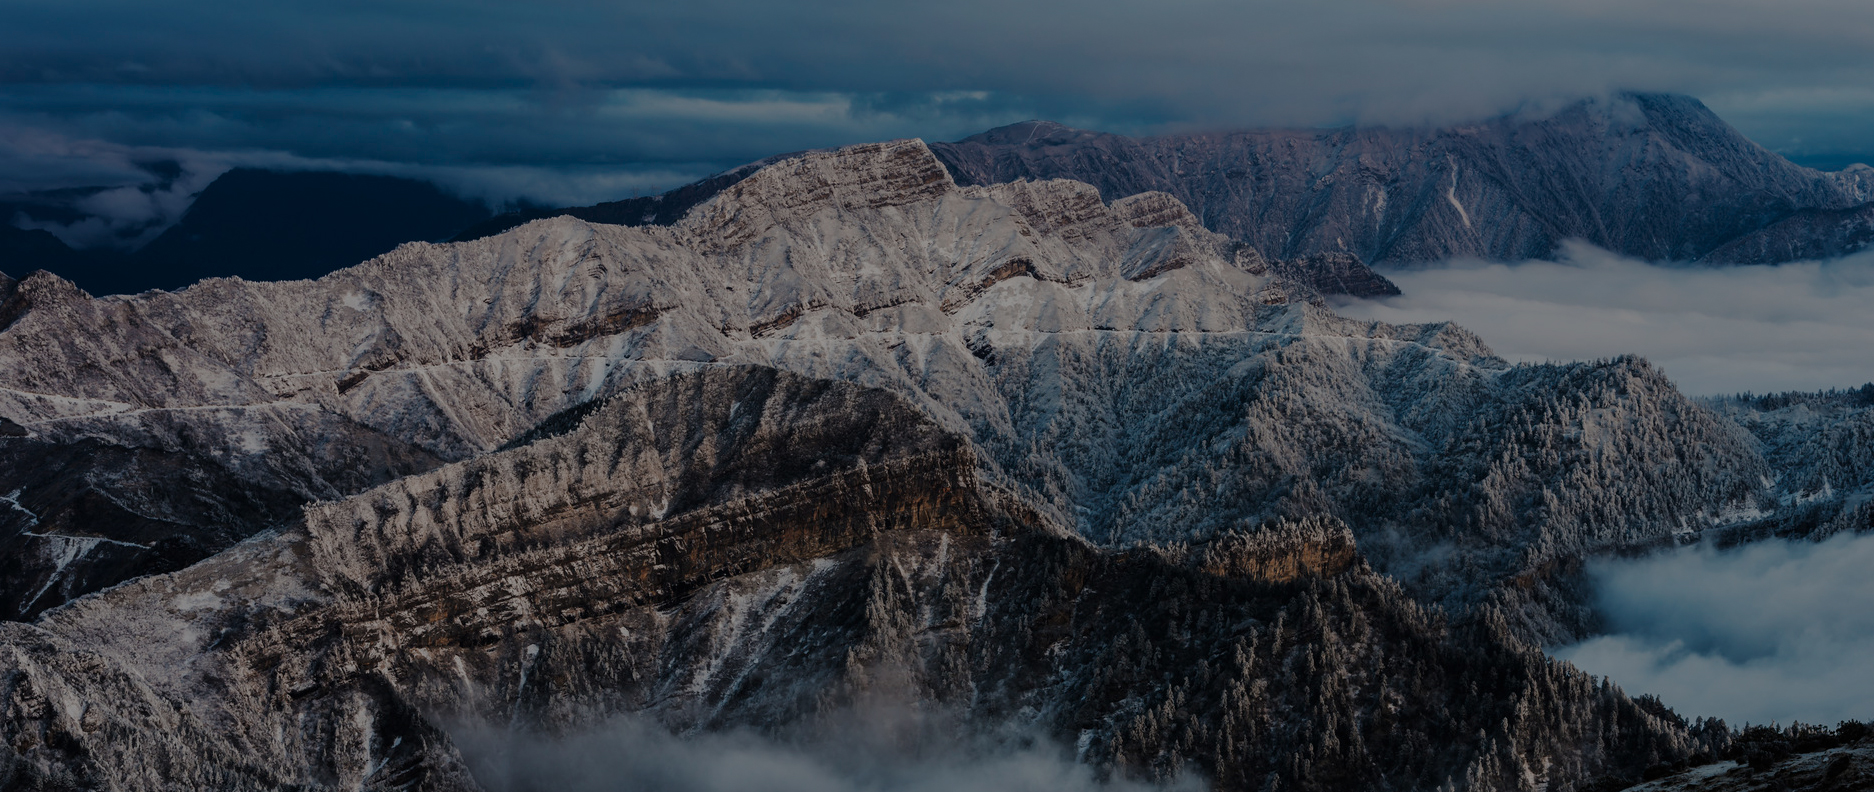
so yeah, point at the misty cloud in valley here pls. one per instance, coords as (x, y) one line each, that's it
(873, 753)
(1770, 632)
(1800, 326)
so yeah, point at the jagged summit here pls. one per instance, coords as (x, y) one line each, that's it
(865, 263)
(846, 429)
(1136, 377)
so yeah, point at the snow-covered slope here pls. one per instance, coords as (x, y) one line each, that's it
(1134, 377)
(846, 430)
(740, 547)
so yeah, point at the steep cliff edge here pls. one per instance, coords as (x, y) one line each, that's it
(742, 547)
(1130, 375)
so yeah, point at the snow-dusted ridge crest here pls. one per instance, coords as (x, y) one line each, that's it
(1008, 451)
(865, 263)
(1140, 379)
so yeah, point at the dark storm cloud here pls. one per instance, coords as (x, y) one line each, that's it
(612, 91)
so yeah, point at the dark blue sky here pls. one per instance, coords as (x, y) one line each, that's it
(573, 102)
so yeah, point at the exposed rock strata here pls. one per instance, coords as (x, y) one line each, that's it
(1007, 449)
(332, 656)
(1137, 384)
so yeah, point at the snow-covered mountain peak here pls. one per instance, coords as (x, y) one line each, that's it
(870, 175)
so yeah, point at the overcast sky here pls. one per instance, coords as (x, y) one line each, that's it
(580, 100)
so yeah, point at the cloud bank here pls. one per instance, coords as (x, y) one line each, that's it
(1800, 326)
(1771, 632)
(869, 756)
(94, 193)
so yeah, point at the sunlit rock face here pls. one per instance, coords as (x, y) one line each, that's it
(846, 433)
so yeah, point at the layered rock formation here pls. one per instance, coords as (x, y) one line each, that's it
(745, 547)
(1138, 384)
(1007, 451)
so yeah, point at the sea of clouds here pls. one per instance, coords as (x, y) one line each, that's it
(1771, 632)
(1713, 330)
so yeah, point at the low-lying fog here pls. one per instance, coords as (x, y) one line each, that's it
(1769, 632)
(873, 749)
(1799, 326)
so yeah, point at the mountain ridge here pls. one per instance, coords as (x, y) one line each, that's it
(1654, 176)
(1012, 451)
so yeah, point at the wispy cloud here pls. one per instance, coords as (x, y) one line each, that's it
(133, 193)
(498, 145)
(1775, 631)
(1801, 326)
(1314, 62)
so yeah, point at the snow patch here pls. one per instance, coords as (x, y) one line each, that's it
(60, 551)
(1451, 194)
(198, 600)
(13, 499)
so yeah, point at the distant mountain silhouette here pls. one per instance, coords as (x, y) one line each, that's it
(1655, 176)
(649, 210)
(263, 225)
(259, 225)
(24, 250)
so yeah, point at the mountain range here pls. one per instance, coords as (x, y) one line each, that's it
(1652, 176)
(1657, 177)
(250, 223)
(846, 436)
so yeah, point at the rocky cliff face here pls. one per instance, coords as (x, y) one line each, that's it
(1653, 176)
(1146, 383)
(744, 547)
(848, 429)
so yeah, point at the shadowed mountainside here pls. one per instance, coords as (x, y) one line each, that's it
(1657, 177)
(258, 225)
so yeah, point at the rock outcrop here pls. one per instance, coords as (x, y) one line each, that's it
(744, 547)
(847, 430)
(1137, 383)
